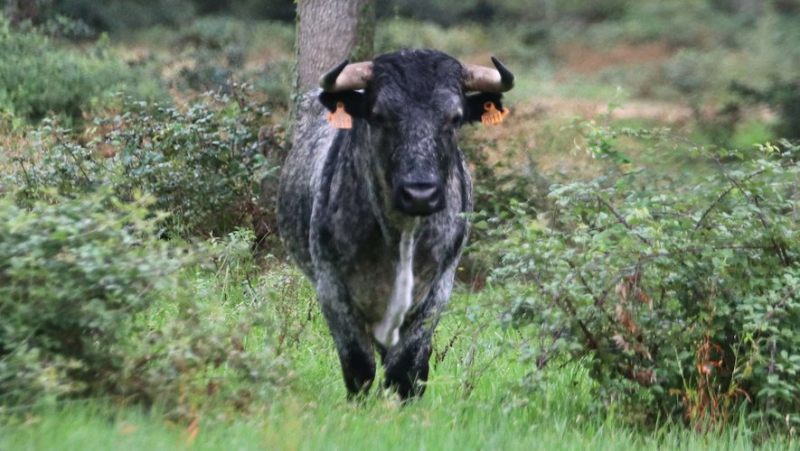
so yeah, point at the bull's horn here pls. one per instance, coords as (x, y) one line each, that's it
(346, 77)
(479, 78)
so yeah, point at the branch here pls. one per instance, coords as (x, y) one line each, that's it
(621, 219)
(720, 198)
(781, 304)
(570, 309)
(776, 245)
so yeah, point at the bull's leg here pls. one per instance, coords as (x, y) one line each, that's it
(407, 363)
(353, 344)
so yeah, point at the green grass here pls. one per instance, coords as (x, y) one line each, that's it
(473, 399)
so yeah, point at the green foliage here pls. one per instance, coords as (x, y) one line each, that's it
(37, 77)
(212, 344)
(202, 164)
(122, 15)
(784, 96)
(520, 44)
(249, 9)
(127, 15)
(680, 302)
(92, 305)
(221, 50)
(401, 33)
(73, 274)
(592, 11)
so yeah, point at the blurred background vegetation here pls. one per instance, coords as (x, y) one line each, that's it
(641, 194)
(727, 66)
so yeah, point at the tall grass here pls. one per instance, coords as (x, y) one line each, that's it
(473, 401)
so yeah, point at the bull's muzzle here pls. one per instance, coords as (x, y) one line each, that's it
(419, 198)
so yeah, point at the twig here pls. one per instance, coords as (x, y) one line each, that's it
(721, 197)
(72, 154)
(621, 219)
(598, 302)
(780, 304)
(777, 246)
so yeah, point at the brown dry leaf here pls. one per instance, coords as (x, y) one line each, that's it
(621, 343)
(624, 318)
(621, 291)
(642, 351)
(127, 428)
(106, 150)
(191, 432)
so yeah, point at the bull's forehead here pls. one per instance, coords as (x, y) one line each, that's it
(441, 101)
(416, 76)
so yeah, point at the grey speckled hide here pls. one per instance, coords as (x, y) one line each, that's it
(374, 215)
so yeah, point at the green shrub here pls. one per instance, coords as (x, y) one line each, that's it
(37, 77)
(215, 51)
(784, 97)
(402, 33)
(683, 303)
(73, 274)
(123, 15)
(213, 343)
(202, 164)
(593, 11)
(275, 80)
(214, 33)
(249, 9)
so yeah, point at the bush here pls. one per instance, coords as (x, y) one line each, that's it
(210, 344)
(784, 97)
(202, 164)
(401, 33)
(681, 303)
(93, 304)
(38, 77)
(72, 276)
(215, 51)
(123, 15)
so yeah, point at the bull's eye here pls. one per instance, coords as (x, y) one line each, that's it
(455, 121)
(379, 120)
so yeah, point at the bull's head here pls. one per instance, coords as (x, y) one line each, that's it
(413, 103)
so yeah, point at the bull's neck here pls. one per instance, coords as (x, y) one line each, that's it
(378, 194)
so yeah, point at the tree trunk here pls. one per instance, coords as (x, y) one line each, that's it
(328, 31)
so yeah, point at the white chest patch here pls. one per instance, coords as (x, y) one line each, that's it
(387, 331)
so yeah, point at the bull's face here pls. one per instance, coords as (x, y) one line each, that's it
(414, 103)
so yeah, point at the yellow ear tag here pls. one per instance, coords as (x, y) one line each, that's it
(492, 116)
(340, 118)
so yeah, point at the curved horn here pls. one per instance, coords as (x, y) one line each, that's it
(479, 78)
(346, 77)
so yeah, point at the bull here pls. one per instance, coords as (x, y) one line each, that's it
(375, 214)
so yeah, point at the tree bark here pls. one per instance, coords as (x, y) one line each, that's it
(327, 33)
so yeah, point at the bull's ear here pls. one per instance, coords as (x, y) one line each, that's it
(355, 103)
(475, 105)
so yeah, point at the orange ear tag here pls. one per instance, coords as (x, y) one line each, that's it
(492, 116)
(340, 118)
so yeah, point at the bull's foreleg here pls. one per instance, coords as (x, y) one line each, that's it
(353, 344)
(407, 363)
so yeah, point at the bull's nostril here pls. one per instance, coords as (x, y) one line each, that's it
(417, 194)
(419, 198)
